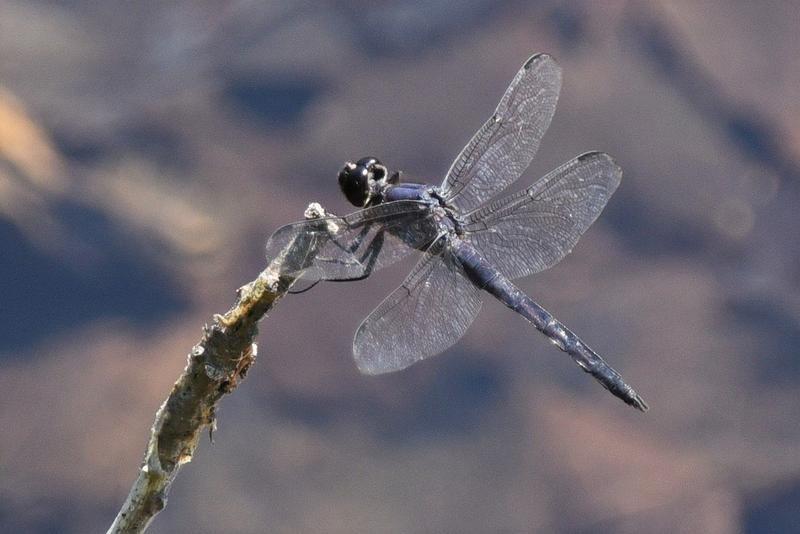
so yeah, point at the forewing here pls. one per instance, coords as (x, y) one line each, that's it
(505, 145)
(429, 312)
(342, 244)
(534, 229)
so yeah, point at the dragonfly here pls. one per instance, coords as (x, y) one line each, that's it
(469, 243)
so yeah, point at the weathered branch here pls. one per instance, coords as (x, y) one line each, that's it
(216, 366)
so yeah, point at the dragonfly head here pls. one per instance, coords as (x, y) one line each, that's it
(362, 181)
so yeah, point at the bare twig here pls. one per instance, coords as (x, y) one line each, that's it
(216, 365)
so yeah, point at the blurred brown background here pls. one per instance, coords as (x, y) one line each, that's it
(147, 150)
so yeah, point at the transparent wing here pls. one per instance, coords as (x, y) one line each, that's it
(534, 229)
(505, 145)
(429, 312)
(376, 236)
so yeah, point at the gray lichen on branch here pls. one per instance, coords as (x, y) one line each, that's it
(215, 367)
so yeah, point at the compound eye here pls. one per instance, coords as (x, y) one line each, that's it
(353, 183)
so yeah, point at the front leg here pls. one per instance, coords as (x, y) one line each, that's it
(368, 259)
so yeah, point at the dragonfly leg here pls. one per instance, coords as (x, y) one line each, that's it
(298, 291)
(350, 248)
(368, 259)
(355, 243)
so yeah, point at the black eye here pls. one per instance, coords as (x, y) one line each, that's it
(378, 172)
(354, 185)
